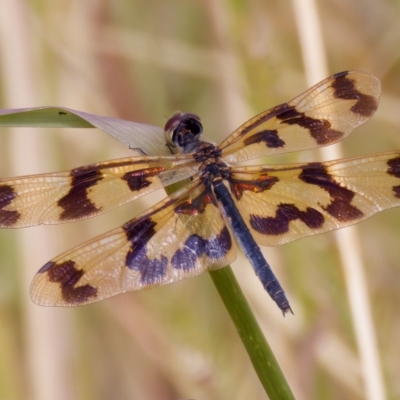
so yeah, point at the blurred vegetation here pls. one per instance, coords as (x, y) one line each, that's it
(225, 61)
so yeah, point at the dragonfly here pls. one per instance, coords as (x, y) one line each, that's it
(223, 204)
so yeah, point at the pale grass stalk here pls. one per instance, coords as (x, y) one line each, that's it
(314, 57)
(44, 329)
(227, 69)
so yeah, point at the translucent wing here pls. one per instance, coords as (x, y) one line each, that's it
(293, 201)
(86, 191)
(180, 237)
(322, 115)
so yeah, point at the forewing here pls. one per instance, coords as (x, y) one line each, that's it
(293, 201)
(86, 191)
(322, 115)
(181, 237)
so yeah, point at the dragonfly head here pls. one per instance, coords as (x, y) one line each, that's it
(182, 132)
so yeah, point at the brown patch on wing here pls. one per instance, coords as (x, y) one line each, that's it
(345, 89)
(138, 180)
(195, 247)
(396, 190)
(269, 137)
(195, 206)
(139, 233)
(341, 197)
(286, 213)
(7, 218)
(76, 203)
(320, 129)
(262, 183)
(67, 276)
(394, 169)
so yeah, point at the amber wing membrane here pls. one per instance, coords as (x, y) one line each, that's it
(324, 114)
(289, 202)
(86, 191)
(181, 237)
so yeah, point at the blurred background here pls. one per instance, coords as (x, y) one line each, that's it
(225, 61)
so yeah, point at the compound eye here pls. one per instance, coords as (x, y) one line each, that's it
(170, 128)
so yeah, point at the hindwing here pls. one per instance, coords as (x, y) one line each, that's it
(180, 237)
(286, 203)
